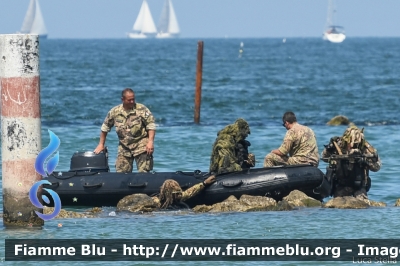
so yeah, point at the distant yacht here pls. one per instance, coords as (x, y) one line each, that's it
(144, 26)
(168, 26)
(34, 22)
(333, 33)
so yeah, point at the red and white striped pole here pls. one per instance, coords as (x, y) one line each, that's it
(20, 126)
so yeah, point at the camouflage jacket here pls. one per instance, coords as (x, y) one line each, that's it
(187, 194)
(373, 163)
(301, 145)
(131, 127)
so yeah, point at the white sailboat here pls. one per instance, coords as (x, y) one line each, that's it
(144, 26)
(168, 26)
(333, 33)
(33, 21)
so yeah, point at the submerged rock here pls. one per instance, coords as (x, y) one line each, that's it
(376, 203)
(95, 210)
(340, 120)
(248, 203)
(397, 204)
(69, 214)
(297, 198)
(282, 205)
(349, 202)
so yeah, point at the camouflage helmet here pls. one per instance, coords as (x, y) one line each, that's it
(354, 137)
(238, 130)
(242, 129)
(169, 193)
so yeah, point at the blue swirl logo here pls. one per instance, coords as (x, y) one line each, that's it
(45, 153)
(39, 167)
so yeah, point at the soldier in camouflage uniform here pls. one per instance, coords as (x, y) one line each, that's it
(135, 128)
(299, 145)
(230, 150)
(170, 194)
(350, 171)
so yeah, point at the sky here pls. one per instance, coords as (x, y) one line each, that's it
(209, 18)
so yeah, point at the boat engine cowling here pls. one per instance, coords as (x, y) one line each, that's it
(88, 161)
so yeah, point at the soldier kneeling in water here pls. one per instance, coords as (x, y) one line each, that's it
(170, 194)
(230, 150)
(350, 158)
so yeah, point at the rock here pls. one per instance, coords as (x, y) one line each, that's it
(350, 202)
(297, 198)
(67, 214)
(339, 120)
(202, 208)
(245, 204)
(137, 203)
(228, 206)
(377, 203)
(397, 204)
(347, 202)
(258, 201)
(283, 205)
(231, 198)
(95, 210)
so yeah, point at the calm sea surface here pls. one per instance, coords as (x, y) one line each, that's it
(82, 79)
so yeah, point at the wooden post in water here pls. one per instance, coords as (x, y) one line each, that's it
(20, 126)
(199, 76)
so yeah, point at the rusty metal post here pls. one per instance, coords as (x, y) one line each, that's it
(20, 126)
(199, 77)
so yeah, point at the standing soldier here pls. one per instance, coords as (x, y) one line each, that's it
(135, 128)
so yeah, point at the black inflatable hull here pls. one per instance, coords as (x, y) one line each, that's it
(97, 189)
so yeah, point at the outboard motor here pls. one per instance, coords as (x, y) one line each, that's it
(88, 161)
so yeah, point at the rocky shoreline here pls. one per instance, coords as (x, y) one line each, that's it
(295, 200)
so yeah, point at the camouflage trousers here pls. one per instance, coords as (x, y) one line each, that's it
(274, 160)
(342, 191)
(124, 164)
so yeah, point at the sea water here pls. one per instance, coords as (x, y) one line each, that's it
(82, 79)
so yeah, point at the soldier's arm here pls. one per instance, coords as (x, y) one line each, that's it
(286, 145)
(148, 119)
(100, 147)
(192, 191)
(374, 163)
(105, 128)
(150, 143)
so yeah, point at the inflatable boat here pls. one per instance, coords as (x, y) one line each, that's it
(90, 183)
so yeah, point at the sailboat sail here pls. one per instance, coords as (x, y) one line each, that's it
(38, 26)
(33, 21)
(144, 25)
(30, 15)
(137, 26)
(168, 25)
